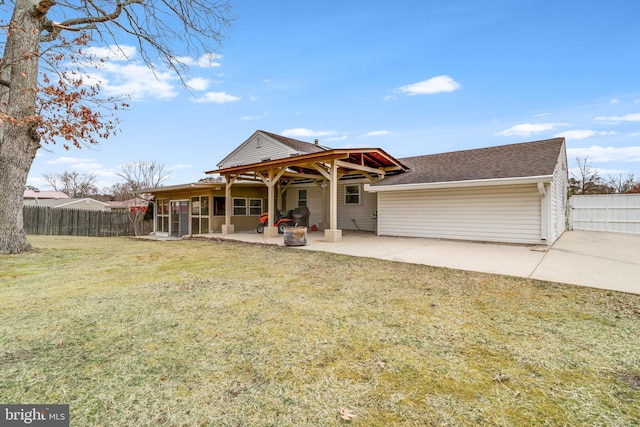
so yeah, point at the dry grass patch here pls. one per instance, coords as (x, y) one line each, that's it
(132, 332)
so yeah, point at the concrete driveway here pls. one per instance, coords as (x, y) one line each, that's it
(595, 259)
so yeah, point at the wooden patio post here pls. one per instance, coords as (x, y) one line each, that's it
(333, 234)
(227, 227)
(270, 230)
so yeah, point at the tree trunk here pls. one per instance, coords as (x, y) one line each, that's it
(19, 139)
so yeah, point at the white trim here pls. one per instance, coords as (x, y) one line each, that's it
(246, 205)
(359, 194)
(459, 184)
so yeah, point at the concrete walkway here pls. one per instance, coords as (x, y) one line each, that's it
(595, 259)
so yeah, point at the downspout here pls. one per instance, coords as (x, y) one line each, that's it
(543, 211)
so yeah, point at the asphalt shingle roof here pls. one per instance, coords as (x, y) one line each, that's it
(304, 147)
(535, 158)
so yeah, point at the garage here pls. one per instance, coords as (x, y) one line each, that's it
(492, 214)
(512, 193)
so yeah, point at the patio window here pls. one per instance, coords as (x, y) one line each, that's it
(352, 194)
(219, 205)
(200, 215)
(162, 215)
(255, 207)
(302, 197)
(239, 206)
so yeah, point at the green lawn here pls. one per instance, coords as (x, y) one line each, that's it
(200, 333)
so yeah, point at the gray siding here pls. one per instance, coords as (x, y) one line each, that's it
(314, 201)
(494, 214)
(356, 216)
(350, 216)
(558, 208)
(252, 152)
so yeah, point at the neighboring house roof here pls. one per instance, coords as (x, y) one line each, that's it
(85, 203)
(31, 194)
(528, 159)
(127, 204)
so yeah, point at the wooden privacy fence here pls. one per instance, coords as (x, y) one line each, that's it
(618, 213)
(78, 222)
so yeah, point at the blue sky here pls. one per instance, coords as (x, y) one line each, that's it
(410, 77)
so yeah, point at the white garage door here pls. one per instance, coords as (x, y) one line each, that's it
(493, 214)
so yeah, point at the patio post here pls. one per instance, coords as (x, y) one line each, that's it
(270, 230)
(227, 227)
(333, 234)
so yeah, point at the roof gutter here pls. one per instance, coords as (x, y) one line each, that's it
(459, 184)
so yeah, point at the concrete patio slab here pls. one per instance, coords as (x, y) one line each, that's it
(595, 259)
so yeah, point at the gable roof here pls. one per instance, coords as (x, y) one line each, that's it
(31, 194)
(290, 147)
(528, 159)
(71, 203)
(305, 147)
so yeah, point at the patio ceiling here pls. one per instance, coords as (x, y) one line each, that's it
(369, 162)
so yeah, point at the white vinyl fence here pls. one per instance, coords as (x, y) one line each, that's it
(618, 213)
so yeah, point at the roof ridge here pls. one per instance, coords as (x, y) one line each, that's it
(292, 142)
(493, 147)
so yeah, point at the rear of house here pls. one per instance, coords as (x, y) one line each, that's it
(512, 193)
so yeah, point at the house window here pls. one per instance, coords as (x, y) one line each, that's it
(162, 215)
(200, 215)
(352, 194)
(219, 205)
(239, 207)
(302, 197)
(255, 207)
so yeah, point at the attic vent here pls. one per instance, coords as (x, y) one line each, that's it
(258, 142)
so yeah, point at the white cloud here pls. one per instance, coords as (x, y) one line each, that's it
(616, 119)
(199, 83)
(598, 154)
(390, 98)
(218, 98)
(135, 81)
(89, 167)
(582, 134)
(527, 129)
(208, 60)
(542, 115)
(69, 160)
(376, 133)
(614, 101)
(255, 117)
(433, 85)
(308, 133)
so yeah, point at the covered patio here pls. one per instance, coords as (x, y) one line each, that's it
(324, 169)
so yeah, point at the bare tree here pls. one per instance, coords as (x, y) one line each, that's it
(38, 107)
(139, 176)
(621, 184)
(73, 184)
(586, 179)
